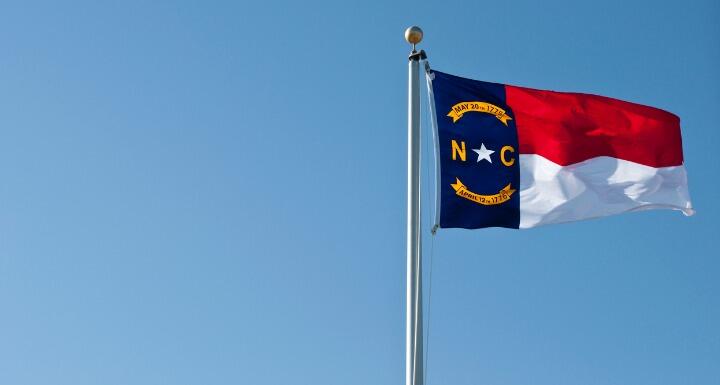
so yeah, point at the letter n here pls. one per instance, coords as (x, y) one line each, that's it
(458, 150)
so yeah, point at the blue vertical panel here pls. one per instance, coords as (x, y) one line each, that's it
(480, 190)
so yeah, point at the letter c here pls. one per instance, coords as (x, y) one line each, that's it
(502, 156)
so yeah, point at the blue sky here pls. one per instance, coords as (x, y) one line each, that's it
(214, 192)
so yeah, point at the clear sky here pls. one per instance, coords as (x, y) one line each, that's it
(214, 193)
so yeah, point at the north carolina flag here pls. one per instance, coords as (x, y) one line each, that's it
(519, 157)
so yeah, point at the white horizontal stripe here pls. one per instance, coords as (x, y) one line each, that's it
(550, 193)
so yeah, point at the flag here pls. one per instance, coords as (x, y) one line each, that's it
(519, 157)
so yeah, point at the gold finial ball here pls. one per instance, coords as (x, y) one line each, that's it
(413, 35)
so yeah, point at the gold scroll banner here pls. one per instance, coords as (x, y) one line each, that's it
(488, 200)
(459, 109)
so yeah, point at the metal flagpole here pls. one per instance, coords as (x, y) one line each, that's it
(414, 340)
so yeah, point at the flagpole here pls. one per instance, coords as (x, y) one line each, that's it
(413, 336)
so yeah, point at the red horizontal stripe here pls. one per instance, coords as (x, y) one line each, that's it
(568, 128)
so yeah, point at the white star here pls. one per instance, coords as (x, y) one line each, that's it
(483, 153)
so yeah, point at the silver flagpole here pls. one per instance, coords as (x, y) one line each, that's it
(414, 340)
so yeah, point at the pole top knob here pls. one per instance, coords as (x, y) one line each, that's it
(413, 35)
